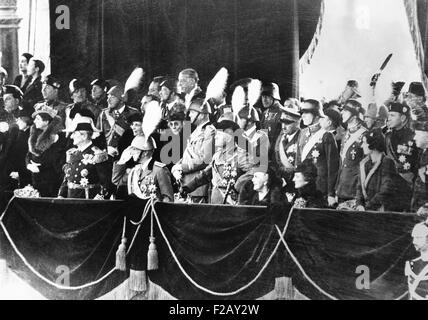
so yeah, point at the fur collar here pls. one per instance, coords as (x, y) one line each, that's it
(40, 141)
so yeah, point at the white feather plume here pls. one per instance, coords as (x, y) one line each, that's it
(238, 100)
(134, 79)
(217, 85)
(254, 92)
(152, 118)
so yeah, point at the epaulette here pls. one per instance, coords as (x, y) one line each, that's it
(100, 156)
(159, 164)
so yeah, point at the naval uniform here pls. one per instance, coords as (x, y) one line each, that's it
(87, 173)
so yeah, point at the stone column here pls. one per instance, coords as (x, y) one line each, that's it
(9, 24)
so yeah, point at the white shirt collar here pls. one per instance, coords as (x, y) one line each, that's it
(121, 109)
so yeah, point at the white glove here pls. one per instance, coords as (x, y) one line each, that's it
(331, 201)
(126, 156)
(33, 167)
(361, 208)
(14, 175)
(4, 127)
(177, 172)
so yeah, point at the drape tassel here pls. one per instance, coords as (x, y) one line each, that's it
(121, 251)
(284, 288)
(138, 280)
(152, 254)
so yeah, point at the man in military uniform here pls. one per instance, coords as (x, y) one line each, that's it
(317, 144)
(400, 145)
(351, 152)
(113, 121)
(228, 164)
(286, 146)
(416, 270)
(256, 141)
(99, 93)
(199, 150)
(88, 169)
(420, 191)
(79, 95)
(415, 98)
(50, 90)
(148, 177)
(271, 111)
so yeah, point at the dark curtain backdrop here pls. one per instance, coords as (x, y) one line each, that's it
(108, 38)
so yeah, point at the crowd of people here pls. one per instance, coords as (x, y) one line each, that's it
(232, 144)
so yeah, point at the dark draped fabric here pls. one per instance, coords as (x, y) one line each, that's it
(52, 235)
(249, 37)
(333, 247)
(220, 248)
(418, 22)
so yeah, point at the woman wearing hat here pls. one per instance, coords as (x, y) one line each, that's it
(46, 154)
(307, 195)
(266, 189)
(380, 187)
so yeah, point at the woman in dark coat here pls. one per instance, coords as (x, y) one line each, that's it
(267, 190)
(307, 196)
(46, 154)
(380, 187)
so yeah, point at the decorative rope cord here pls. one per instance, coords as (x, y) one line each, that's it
(282, 239)
(58, 286)
(201, 287)
(150, 204)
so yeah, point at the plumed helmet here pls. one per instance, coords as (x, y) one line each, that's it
(14, 91)
(101, 83)
(271, 90)
(116, 91)
(143, 144)
(199, 105)
(77, 84)
(249, 113)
